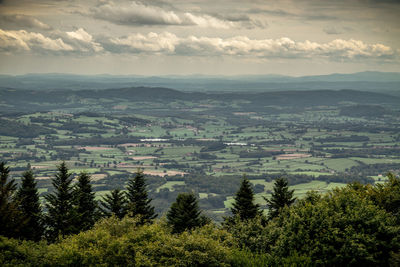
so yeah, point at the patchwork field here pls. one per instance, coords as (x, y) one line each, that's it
(203, 145)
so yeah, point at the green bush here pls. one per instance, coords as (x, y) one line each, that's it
(21, 253)
(342, 228)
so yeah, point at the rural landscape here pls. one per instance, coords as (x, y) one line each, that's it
(199, 133)
(203, 142)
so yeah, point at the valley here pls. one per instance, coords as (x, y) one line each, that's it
(202, 142)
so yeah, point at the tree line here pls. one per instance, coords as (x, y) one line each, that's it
(72, 208)
(352, 226)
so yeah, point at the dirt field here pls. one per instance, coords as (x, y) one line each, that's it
(94, 148)
(292, 156)
(162, 174)
(143, 157)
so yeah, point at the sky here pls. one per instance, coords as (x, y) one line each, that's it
(219, 37)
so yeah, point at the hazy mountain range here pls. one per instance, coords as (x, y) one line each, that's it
(388, 82)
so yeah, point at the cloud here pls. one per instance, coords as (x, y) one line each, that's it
(24, 21)
(168, 43)
(26, 41)
(138, 14)
(332, 30)
(305, 15)
(135, 14)
(138, 43)
(80, 42)
(77, 42)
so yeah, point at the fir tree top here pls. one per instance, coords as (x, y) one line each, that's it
(244, 206)
(138, 201)
(280, 198)
(184, 213)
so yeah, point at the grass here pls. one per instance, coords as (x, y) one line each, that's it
(340, 164)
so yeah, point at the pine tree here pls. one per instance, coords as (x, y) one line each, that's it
(12, 220)
(86, 205)
(61, 215)
(138, 201)
(114, 203)
(280, 198)
(244, 206)
(185, 214)
(29, 204)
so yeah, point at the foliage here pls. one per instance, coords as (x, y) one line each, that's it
(138, 201)
(12, 220)
(115, 242)
(351, 226)
(184, 213)
(61, 216)
(22, 253)
(280, 198)
(86, 205)
(342, 228)
(17, 129)
(252, 234)
(244, 206)
(114, 204)
(387, 195)
(29, 204)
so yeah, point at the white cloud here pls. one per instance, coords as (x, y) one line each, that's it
(23, 40)
(83, 41)
(80, 42)
(338, 49)
(152, 42)
(207, 21)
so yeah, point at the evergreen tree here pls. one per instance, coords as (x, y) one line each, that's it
(61, 215)
(185, 214)
(12, 220)
(86, 205)
(29, 204)
(138, 201)
(114, 203)
(280, 198)
(244, 206)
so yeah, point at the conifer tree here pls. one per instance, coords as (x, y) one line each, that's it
(138, 201)
(114, 203)
(86, 205)
(29, 204)
(244, 206)
(185, 214)
(61, 215)
(280, 198)
(11, 218)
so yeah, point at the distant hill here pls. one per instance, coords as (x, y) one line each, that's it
(20, 99)
(366, 81)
